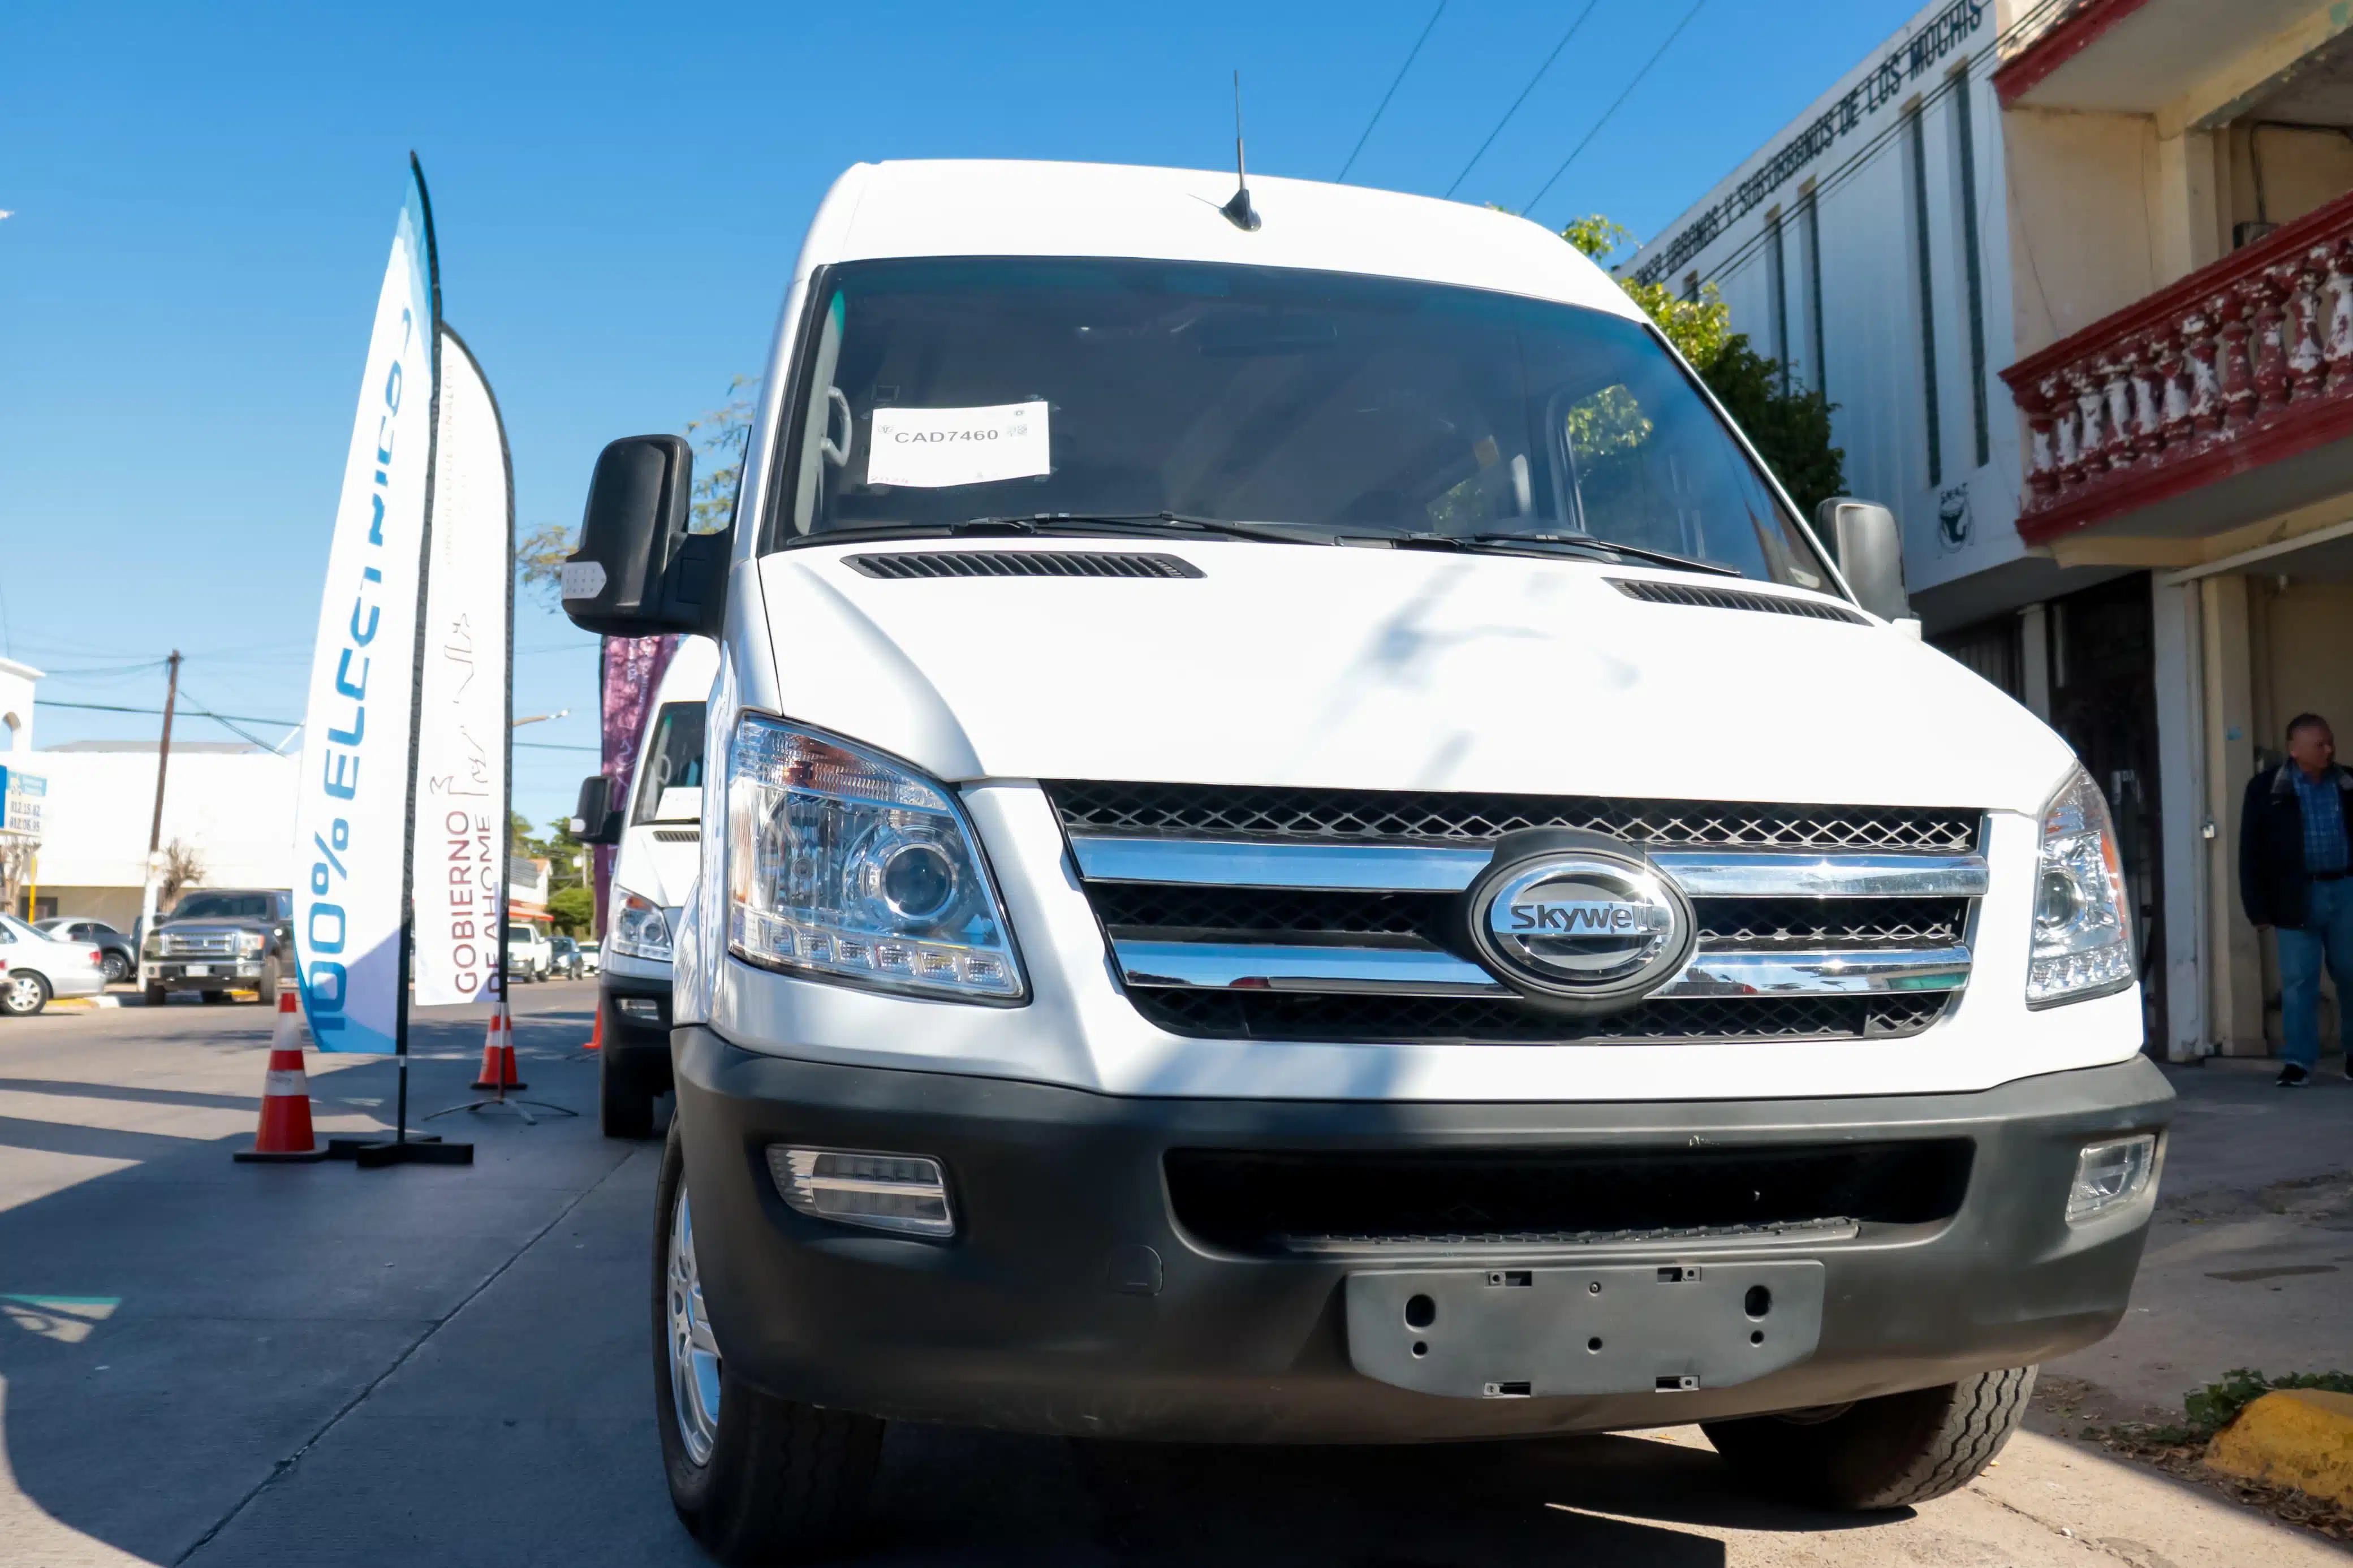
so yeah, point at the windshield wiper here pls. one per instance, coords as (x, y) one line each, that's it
(1585, 544)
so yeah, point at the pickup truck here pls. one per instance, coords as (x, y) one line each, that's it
(218, 940)
(1299, 844)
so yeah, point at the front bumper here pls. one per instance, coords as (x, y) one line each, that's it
(1071, 1301)
(202, 974)
(635, 1010)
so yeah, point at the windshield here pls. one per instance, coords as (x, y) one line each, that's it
(673, 761)
(224, 907)
(519, 933)
(943, 390)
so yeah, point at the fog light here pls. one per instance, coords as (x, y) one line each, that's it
(639, 1009)
(2110, 1174)
(888, 1191)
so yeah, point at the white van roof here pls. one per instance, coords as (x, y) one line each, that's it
(949, 208)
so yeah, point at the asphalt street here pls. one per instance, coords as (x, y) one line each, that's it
(214, 1363)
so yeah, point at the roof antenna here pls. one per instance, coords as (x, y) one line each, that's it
(1239, 211)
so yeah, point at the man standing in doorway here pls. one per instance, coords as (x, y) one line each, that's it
(2295, 850)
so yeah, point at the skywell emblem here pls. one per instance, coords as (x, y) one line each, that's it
(1578, 921)
(1590, 916)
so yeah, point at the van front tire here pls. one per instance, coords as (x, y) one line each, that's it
(780, 1482)
(1889, 1452)
(625, 1103)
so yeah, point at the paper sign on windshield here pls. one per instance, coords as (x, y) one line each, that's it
(931, 448)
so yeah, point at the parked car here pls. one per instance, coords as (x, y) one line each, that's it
(35, 966)
(118, 954)
(1377, 883)
(218, 940)
(530, 957)
(564, 957)
(590, 963)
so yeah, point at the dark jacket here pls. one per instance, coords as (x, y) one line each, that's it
(2271, 845)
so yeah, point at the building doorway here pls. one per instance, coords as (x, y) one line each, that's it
(2103, 652)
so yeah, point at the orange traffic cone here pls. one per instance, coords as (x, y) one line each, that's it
(596, 1035)
(284, 1136)
(498, 1055)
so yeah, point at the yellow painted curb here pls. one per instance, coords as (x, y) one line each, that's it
(2300, 1437)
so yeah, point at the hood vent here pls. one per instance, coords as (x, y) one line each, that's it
(922, 563)
(1735, 599)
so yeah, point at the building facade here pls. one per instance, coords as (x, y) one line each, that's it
(2079, 276)
(228, 804)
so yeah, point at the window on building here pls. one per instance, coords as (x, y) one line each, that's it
(1915, 136)
(1965, 169)
(1777, 278)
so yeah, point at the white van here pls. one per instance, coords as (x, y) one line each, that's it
(658, 833)
(1300, 844)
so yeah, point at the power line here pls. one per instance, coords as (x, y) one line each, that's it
(1411, 55)
(250, 719)
(230, 725)
(200, 712)
(1481, 153)
(1613, 108)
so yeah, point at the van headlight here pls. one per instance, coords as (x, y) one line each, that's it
(641, 930)
(846, 866)
(2083, 934)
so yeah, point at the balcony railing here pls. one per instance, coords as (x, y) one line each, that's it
(2243, 363)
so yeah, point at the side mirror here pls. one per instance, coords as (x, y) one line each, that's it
(1870, 549)
(638, 572)
(595, 818)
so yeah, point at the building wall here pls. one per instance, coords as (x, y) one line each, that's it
(16, 682)
(2083, 235)
(235, 809)
(1868, 185)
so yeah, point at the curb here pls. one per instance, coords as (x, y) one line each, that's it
(82, 1004)
(2300, 1437)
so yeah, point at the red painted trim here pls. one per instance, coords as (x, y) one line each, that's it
(2271, 438)
(2023, 73)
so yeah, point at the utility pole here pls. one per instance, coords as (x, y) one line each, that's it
(156, 827)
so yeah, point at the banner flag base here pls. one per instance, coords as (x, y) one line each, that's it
(411, 1151)
(375, 1150)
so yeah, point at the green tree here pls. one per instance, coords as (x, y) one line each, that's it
(573, 911)
(1789, 424)
(720, 435)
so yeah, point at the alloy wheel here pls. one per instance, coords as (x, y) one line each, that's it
(693, 1350)
(24, 997)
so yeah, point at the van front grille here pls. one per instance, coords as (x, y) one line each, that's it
(1217, 811)
(1271, 1202)
(1346, 1016)
(1307, 914)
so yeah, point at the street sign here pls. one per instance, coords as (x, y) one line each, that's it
(22, 796)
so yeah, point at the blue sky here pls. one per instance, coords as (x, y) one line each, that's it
(202, 200)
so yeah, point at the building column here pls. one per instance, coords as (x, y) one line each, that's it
(2235, 967)
(2179, 682)
(2188, 219)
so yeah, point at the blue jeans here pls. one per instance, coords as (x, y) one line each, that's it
(2327, 936)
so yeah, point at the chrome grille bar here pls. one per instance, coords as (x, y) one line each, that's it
(1426, 972)
(1437, 868)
